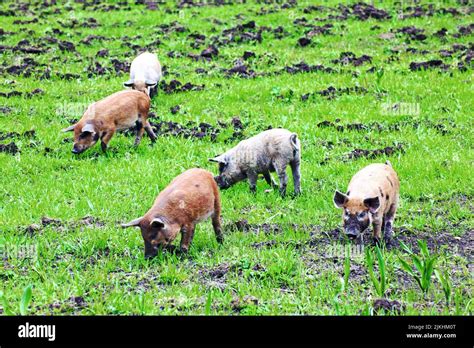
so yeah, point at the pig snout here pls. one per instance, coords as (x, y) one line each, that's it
(222, 182)
(352, 233)
(150, 250)
(77, 149)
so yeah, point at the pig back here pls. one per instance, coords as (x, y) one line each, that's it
(190, 196)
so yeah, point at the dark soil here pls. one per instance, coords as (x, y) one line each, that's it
(57, 224)
(193, 130)
(413, 33)
(383, 304)
(8, 135)
(240, 70)
(346, 58)
(430, 64)
(175, 86)
(10, 148)
(244, 226)
(332, 92)
(303, 67)
(386, 151)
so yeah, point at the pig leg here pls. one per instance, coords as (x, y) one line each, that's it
(269, 179)
(295, 169)
(281, 171)
(150, 132)
(187, 234)
(216, 224)
(388, 221)
(216, 217)
(377, 226)
(105, 138)
(252, 176)
(140, 131)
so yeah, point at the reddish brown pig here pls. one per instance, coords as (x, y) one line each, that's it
(371, 198)
(191, 197)
(119, 111)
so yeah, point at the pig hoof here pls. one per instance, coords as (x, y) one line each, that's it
(377, 241)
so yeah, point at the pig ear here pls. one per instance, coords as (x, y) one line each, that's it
(88, 127)
(340, 199)
(68, 129)
(218, 159)
(157, 223)
(150, 83)
(129, 83)
(372, 203)
(132, 223)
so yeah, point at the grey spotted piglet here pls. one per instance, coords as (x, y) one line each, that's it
(269, 151)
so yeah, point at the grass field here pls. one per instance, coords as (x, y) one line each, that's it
(60, 213)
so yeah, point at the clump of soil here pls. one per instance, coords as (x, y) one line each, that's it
(210, 52)
(8, 135)
(364, 11)
(238, 304)
(247, 32)
(346, 58)
(303, 67)
(57, 224)
(240, 70)
(200, 131)
(10, 148)
(413, 33)
(73, 303)
(245, 226)
(430, 64)
(464, 30)
(175, 86)
(386, 151)
(383, 304)
(219, 273)
(304, 41)
(332, 92)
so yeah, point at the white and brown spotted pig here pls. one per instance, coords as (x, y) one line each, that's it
(371, 198)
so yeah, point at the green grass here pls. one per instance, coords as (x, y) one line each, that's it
(295, 274)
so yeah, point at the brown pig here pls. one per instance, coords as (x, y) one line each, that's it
(191, 197)
(371, 198)
(119, 111)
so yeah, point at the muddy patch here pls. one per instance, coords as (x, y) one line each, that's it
(217, 276)
(175, 86)
(303, 67)
(10, 148)
(195, 130)
(385, 305)
(72, 305)
(63, 226)
(412, 33)
(240, 70)
(430, 64)
(333, 92)
(245, 226)
(35, 92)
(347, 58)
(9, 135)
(386, 151)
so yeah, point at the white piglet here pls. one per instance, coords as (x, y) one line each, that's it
(145, 73)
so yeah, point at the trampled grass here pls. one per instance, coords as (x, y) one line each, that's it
(288, 259)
